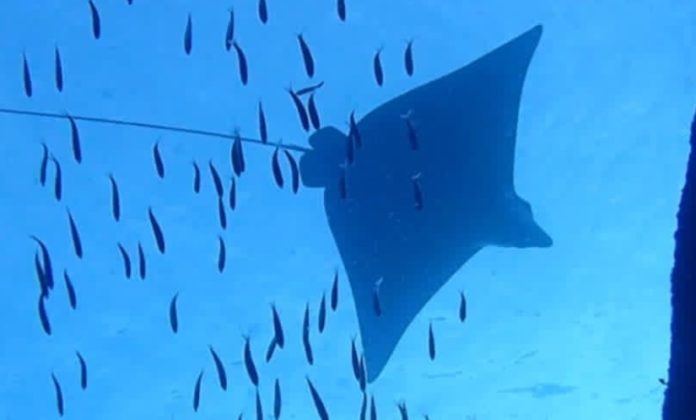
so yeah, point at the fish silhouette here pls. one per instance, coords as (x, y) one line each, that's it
(466, 124)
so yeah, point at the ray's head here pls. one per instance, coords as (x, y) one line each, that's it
(517, 228)
(321, 165)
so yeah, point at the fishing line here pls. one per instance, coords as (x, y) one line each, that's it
(150, 126)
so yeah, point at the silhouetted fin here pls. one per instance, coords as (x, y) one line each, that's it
(466, 123)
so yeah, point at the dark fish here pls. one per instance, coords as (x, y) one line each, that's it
(277, 172)
(222, 375)
(216, 179)
(662, 381)
(75, 140)
(412, 136)
(229, 35)
(173, 314)
(306, 56)
(354, 133)
(277, 400)
(417, 192)
(72, 298)
(43, 316)
(196, 178)
(58, 70)
(318, 403)
(156, 230)
(115, 199)
(96, 21)
(40, 276)
(294, 171)
(249, 363)
(44, 165)
(59, 395)
(263, 130)
(431, 342)
(322, 313)
(159, 164)
(305, 337)
(263, 11)
(83, 370)
(188, 35)
(75, 235)
(142, 267)
(355, 360)
(334, 292)
(45, 262)
(238, 163)
(259, 407)
(221, 254)
(309, 89)
(304, 119)
(342, 185)
(28, 89)
(373, 408)
(126, 261)
(197, 392)
(408, 58)
(233, 194)
(271, 349)
(362, 379)
(376, 304)
(402, 410)
(222, 215)
(279, 335)
(363, 407)
(341, 9)
(313, 113)
(377, 67)
(243, 67)
(58, 183)
(462, 307)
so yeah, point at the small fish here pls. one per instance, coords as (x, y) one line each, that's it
(354, 133)
(362, 379)
(294, 171)
(411, 132)
(259, 407)
(75, 235)
(277, 400)
(341, 9)
(462, 307)
(662, 381)
(243, 66)
(96, 20)
(43, 316)
(238, 162)
(373, 408)
(229, 35)
(301, 112)
(313, 113)
(402, 410)
(342, 184)
(142, 267)
(222, 375)
(197, 392)
(126, 261)
(156, 231)
(305, 337)
(173, 314)
(58, 67)
(279, 335)
(263, 11)
(376, 303)
(221, 254)
(377, 67)
(159, 163)
(277, 172)
(334, 292)
(263, 129)
(196, 178)
(309, 89)
(271, 349)
(58, 182)
(355, 360)
(59, 395)
(75, 140)
(408, 58)
(28, 89)
(83, 370)
(115, 199)
(44, 165)
(222, 215)
(216, 179)
(233, 194)
(306, 56)
(322, 314)
(45, 262)
(318, 403)
(363, 407)
(70, 289)
(249, 363)
(431, 342)
(188, 36)
(417, 192)
(40, 276)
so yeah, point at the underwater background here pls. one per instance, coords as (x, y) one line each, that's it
(579, 330)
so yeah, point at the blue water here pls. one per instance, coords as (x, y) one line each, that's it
(576, 331)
